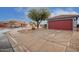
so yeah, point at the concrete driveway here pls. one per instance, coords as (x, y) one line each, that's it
(47, 40)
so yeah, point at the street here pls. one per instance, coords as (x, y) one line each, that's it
(5, 45)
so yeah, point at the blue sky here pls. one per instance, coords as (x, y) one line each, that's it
(20, 14)
(10, 13)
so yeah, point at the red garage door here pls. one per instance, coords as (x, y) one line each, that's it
(60, 24)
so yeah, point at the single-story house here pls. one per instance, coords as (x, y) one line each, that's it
(3, 24)
(7, 24)
(63, 22)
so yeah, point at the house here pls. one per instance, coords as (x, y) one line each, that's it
(20, 24)
(63, 22)
(4, 25)
(12, 24)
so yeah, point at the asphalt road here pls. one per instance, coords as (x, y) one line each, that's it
(5, 45)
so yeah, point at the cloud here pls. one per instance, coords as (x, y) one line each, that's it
(60, 12)
(63, 11)
(24, 10)
(54, 12)
(52, 15)
(21, 9)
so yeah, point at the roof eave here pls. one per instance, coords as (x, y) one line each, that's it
(62, 18)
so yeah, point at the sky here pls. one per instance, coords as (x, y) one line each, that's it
(20, 13)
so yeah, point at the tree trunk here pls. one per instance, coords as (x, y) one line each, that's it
(37, 24)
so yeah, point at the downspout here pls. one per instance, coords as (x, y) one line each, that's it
(74, 24)
(47, 24)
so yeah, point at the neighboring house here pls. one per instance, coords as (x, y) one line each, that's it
(20, 24)
(63, 22)
(3, 25)
(9, 25)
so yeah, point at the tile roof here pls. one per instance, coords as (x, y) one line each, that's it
(62, 17)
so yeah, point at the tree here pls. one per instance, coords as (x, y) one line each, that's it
(38, 15)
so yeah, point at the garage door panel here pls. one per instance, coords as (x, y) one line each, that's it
(60, 25)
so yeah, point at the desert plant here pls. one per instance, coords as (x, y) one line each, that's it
(39, 15)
